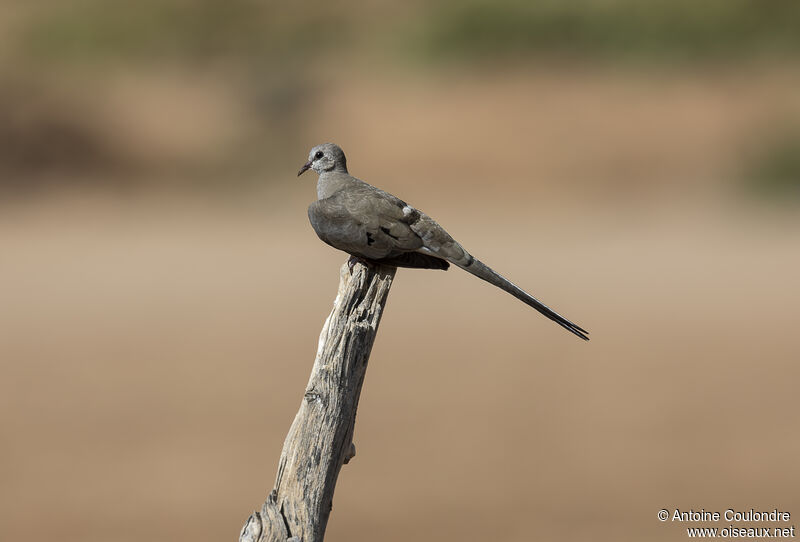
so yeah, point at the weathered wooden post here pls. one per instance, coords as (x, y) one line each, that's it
(320, 440)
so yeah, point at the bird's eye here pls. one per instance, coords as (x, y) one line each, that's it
(318, 155)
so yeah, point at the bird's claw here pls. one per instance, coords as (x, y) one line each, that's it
(353, 260)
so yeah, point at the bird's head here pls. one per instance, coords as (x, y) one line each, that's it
(325, 157)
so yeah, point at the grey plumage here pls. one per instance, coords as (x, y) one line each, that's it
(374, 225)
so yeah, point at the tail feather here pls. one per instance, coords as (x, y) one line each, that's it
(483, 271)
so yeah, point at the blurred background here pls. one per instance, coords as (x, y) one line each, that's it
(634, 165)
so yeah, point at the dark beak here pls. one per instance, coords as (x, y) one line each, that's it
(305, 167)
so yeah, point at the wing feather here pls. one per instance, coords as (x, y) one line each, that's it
(363, 223)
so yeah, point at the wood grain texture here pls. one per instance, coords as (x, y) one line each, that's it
(320, 440)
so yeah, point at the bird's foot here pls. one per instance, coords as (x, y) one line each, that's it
(353, 260)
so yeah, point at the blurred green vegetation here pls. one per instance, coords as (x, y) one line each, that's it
(682, 30)
(98, 30)
(774, 171)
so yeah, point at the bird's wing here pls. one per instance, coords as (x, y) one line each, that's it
(364, 221)
(435, 240)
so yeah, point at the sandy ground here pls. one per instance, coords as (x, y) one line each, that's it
(153, 354)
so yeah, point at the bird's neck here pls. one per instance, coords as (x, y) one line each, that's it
(333, 181)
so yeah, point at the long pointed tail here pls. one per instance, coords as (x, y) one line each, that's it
(483, 271)
(437, 242)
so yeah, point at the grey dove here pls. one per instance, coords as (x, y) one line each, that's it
(375, 226)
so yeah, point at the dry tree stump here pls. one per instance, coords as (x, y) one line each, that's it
(320, 440)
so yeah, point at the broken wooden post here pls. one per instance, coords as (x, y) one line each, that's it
(320, 440)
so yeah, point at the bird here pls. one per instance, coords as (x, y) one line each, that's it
(378, 228)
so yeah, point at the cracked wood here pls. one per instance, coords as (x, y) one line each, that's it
(320, 439)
